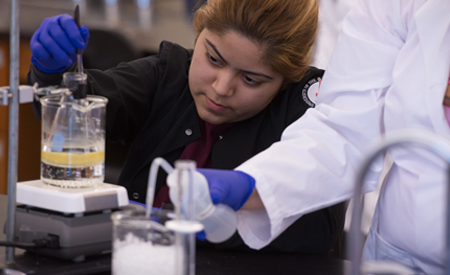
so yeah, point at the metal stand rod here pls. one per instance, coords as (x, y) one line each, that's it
(13, 136)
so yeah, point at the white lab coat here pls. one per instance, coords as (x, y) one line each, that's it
(331, 15)
(389, 71)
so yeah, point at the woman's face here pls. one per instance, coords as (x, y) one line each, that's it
(227, 78)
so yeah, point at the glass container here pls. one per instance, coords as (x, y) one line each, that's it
(143, 245)
(73, 140)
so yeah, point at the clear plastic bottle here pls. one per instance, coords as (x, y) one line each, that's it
(184, 223)
(219, 221)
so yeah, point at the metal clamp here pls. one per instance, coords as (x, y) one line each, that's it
(4, 95)
(44, 91)
(27, 93)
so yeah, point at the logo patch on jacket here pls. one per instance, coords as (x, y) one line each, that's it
(310, 91)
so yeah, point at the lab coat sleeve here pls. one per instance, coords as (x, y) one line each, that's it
(316, 162)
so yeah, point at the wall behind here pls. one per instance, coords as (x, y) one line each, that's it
(29, 126)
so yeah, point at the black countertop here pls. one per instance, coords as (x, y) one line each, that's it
(209, 261)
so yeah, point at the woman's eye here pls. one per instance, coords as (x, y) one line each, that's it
(213, 60)
(250, 80)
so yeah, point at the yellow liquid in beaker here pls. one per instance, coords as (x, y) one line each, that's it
(67, 159)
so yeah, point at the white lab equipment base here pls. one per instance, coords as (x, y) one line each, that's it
(67, 200)
(77, 221)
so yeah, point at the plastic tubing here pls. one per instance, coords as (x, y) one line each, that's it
(157, 162)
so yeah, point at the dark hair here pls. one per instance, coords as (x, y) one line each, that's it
(285, 29)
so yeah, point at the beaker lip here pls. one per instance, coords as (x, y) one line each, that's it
(138, 218)
(55, 99)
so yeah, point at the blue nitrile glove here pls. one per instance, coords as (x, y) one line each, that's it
(229, 187)
(54, 44)
(201, 235)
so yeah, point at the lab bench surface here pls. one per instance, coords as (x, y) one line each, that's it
(209, 261)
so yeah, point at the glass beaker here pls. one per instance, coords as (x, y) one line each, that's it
(73, 140)
(143, 245)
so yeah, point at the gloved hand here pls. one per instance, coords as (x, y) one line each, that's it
(229, 187)
(54, 44)
(201, 236)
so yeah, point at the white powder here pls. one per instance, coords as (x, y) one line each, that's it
(137, 257)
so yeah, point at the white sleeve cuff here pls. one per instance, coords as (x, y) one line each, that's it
(258, 228)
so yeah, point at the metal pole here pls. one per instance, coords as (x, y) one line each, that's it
(13, 137)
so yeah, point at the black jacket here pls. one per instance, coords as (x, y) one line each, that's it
(150, 105)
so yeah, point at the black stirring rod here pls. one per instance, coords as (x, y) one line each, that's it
(81, 89)
(79, 51)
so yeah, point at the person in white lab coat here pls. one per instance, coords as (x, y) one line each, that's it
(331, 15)
(389, 71)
